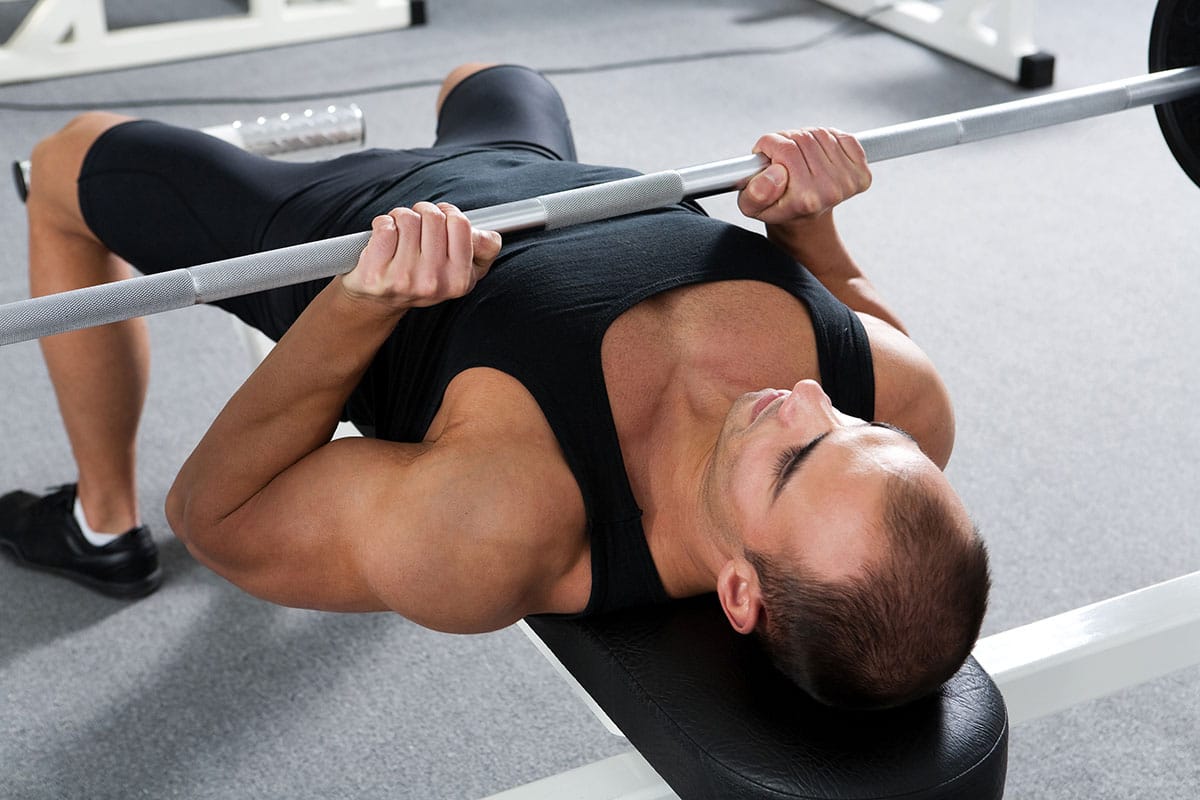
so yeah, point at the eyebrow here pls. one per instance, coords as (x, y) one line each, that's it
(804, 452)
(894, 429)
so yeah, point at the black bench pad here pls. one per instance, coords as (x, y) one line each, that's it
(705, 708)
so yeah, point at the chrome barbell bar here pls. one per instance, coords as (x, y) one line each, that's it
(97, 305)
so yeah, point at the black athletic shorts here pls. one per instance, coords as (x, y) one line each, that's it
(163, 197)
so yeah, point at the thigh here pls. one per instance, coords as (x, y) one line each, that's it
(163, 197)
(507, 105)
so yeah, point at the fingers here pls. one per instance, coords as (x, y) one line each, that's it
(422, 256)
(846, 154)
(811, 171)
(468, 245)
(853, 150)
(435, 233)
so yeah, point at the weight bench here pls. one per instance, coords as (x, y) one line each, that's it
(707, 710)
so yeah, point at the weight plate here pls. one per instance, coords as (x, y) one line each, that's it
(1175, 42)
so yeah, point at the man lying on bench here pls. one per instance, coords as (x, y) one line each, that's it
(574, 422)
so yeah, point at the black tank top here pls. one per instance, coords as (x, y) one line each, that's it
(540, 316)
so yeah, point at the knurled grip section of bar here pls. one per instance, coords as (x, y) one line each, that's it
(259, 272)
(95, 305)
(333, 125)
(152, 294)
(614, 198)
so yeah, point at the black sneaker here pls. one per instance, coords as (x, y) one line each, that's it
(41, 533)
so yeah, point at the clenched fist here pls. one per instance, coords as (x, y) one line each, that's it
(420, 257)
(811, 171)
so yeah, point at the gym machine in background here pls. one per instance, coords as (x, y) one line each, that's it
(993, 35)
(69, 37)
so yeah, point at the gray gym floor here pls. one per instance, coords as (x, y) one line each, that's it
(1050, 275)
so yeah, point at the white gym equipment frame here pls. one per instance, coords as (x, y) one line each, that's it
(994, 35)
(69, 37)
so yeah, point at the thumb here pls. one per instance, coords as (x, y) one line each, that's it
(765, 188)
(382, 244)
(485, 247)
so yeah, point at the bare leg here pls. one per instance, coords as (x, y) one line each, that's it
(99, 374)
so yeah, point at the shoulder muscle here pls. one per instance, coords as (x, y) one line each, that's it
(909, 392)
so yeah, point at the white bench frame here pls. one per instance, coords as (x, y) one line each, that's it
(1089, 652)
(70, 37)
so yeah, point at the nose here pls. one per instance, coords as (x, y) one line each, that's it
(810, 386)
(806, 401)
(811, 394)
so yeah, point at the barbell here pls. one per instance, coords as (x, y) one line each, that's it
(1173, 86)
(332, 127)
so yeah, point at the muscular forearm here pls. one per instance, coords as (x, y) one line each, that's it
(286, 410)
(816, 244)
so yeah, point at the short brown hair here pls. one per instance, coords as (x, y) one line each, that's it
(894, 634)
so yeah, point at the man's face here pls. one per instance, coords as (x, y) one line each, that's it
(795, 478)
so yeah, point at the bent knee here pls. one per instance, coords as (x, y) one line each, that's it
(57, 159)
(458, 75)
(77, 135)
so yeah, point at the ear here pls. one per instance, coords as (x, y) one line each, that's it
(740, 594)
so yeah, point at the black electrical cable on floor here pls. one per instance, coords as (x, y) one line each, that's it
(162, 102)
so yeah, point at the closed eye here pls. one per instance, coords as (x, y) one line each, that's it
(789, 461)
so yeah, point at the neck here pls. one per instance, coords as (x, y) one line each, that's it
(685, 540)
